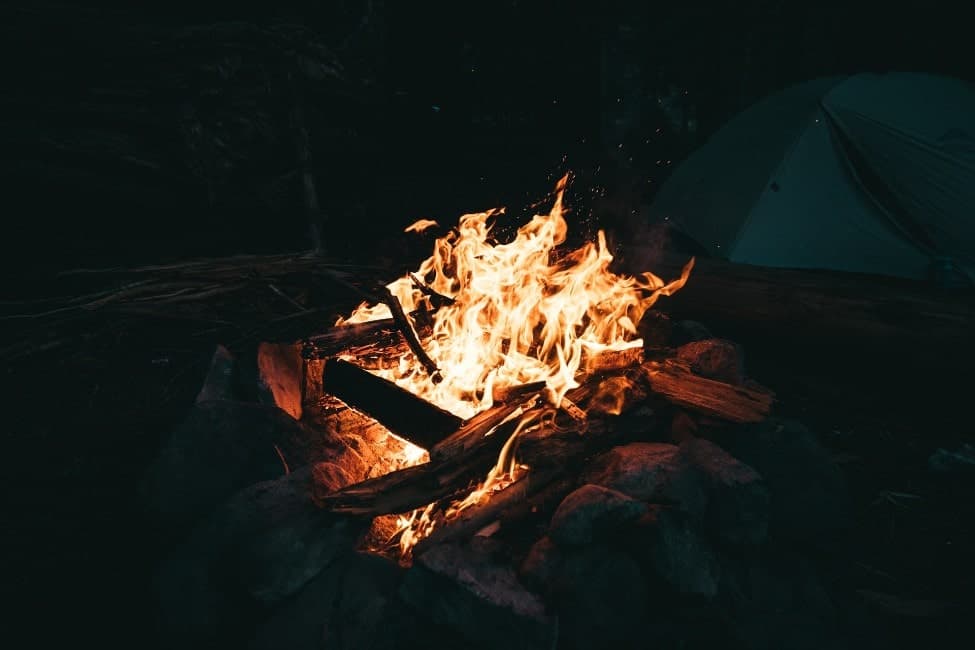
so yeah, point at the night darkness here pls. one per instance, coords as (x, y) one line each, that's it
(181, 130)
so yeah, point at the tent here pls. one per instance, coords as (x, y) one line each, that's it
(866, 173)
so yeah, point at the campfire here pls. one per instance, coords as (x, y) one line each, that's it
(477, 424)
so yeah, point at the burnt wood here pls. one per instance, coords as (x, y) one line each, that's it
(675, 382)
(399, 410)
(862, 310)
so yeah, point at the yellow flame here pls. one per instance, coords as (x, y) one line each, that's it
(520, 313)
(421, 225)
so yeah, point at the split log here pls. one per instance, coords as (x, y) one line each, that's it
(402, 412)
(676, 383)
(612, 360)
(478, 516)
(343, 337)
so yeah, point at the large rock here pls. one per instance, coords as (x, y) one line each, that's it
(591, 512)
(674, 554)
(280, 373)
(259, 548)
(716, 359)
(221, 381)
(737, 498)
(650, 471)
(219, 448)
(351, 605)
(477, 596)
(600, 595)
(809, 498)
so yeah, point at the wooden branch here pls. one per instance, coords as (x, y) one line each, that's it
(341, 337)
(677, 384)
(478, 516)
(399, 410)
(471, 435)
(519, 391)
(406, 328)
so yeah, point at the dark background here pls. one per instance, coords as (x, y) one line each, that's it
(135, 136)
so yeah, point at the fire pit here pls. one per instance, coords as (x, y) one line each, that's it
(508, 447)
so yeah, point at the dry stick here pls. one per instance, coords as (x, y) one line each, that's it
(438, 298)
(406, 327)
(477, 517)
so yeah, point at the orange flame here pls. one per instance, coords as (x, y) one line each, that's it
(518, 315)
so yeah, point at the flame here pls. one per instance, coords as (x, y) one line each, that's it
(421, 225)
(520, 313)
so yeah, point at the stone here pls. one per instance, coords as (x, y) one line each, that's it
(351, 605)
(655, 328)
(478, 597)
(809, 498)
(738, 499)
(675, 554)
(685, 331)
(592, 511)
(716, 359)
(221, 379)
(601, 598)
(219, 448)
(683, 426)
(280, 373)
(542, 563)
(261, 547)
(650, 471)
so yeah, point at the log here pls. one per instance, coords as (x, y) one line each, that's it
(675, 382)
(478, 516)
(820, 305)
(412, 487)
(399, 410)
(342, 337)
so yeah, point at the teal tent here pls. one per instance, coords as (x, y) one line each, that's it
(867, 173)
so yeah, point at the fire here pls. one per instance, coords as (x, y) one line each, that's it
(518, 312)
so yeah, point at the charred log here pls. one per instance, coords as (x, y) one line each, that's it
(676, 383)
(402, 412)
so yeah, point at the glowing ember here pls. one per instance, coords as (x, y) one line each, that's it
(519, 314)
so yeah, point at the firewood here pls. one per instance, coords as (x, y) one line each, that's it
(469, 456)
(478, 516)
(343, 337)
(402, 412)
(867, 311)
(677, 384)
(508, 393)
(612, 360)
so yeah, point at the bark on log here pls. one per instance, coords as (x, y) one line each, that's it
(677, 384)
(402, 412)
(478, 516)
(343, 337)
(819, 305)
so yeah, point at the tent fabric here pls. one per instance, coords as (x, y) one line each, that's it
(869, 173)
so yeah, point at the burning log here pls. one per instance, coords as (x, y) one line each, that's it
(402, 412)
(343, 337)
(477, 517)
(677, 384)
